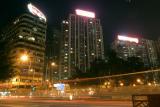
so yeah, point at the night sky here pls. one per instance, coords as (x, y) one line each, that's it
(133, 17)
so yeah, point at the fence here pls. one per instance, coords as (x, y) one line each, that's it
(117, 86)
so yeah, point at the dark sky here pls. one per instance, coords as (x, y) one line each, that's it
(134, 17)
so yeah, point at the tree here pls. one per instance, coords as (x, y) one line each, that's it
(116, 65)
(135, 64)
(6, 65)
(98, 68)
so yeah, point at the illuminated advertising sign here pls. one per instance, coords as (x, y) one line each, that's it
(36, 11)
(59, 86)
(126, 38)
(85, 13)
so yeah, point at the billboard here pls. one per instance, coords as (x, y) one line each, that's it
(35, 11)
(85, 13)
(127, 38)
(59, 86)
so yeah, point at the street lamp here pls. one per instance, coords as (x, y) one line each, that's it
(53, 64)
(138, 80)
(49, 74)
(149, 84)
(121, 84)
(134, 85)
(24, 58)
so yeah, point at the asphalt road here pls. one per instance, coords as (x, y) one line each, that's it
(30, 102)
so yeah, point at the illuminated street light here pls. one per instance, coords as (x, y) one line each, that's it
(105, 83)
(134, 85)
(53, 64)
(31, 70)
(109, 83)
(149, 84)
(138, 80)
(121, 84)
(24, 58)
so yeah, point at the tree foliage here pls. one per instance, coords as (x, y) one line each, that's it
(6, 65)
(111, 65)
(135, 64)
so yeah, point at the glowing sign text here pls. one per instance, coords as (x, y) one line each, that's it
(85, 13)
(36, 11)
(130, 39)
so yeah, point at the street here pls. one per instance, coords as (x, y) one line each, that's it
(36, 102)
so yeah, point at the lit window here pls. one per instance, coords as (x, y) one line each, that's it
(65, 77)
(63, 21)
(35, 29)
(66, 67)
(66, 22)
(20, 36)
(65, 70)
(65, 44)
(90, 22)
(125, 55)
(66, 30)
(66, 54)
(92, 54)
(66, 57)
(99, 40)
(31, 38)
(15, 22)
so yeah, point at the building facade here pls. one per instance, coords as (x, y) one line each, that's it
(52, 55)
(26, 36)
(145, 49)
(82, 43)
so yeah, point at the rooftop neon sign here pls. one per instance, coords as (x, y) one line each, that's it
(126, 38)
(35, 11)
(85, 13)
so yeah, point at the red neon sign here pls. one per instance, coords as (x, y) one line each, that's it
(36, 11)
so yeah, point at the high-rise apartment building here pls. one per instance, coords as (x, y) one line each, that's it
(82, 42)
(53, 41)
(145, 49)
(26, 36)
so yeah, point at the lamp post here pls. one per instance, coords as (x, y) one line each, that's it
(23, 58)
(49, 73)
(53, 65)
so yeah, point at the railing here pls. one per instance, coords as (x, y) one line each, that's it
(113, 86)
(146, 100)
(117, 86)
